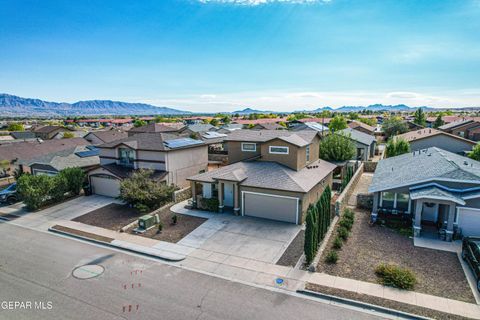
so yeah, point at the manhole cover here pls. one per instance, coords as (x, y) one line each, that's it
(88, 271)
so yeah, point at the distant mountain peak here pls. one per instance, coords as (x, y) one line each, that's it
(15, 106)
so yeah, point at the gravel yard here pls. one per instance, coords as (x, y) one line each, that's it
(294, 251)
(437, 272)
(113, 216)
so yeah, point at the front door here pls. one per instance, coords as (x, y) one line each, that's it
(228, 194)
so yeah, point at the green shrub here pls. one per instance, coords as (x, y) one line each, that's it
(331, 257)
(74, 178)
(160, 227)
(395, 276)
(309, 246)
(174, 219)
(35, 190)
(343, 233)
(349, 214)
(59, 188)
(337, 243)
(210, 204)
(346, 223)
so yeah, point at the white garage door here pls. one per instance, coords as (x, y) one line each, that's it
(469, 221)
(269, 206)
(105, 186)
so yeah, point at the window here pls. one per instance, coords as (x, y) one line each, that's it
(278, 150)
(402, 201)
(249, 147)
(388, 200)
(307, 151)
(126, 157)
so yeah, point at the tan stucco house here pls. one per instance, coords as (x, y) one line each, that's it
(273, 174)
(172, 159)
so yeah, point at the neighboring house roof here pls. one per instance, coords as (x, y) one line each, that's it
(157, 127)
(355, 124)
(68, 158)
(155, 142)
(213, 137)
(311, 126)
(428, 132)
(455, 124)
(76, 134)
(260, 121)
(23, 134)
(48, 129)
(299, 138)
(231, 126)
(200, 127)
(432, 164)
(108, 135)
(27, 150)
(448, 119)
(123, 172)
(358, 136)
(270, 175)
(270, 126)
(318, 120)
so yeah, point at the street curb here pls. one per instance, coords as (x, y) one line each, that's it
(112, 245)
(363, 305)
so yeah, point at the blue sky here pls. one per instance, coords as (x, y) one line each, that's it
(214, 55)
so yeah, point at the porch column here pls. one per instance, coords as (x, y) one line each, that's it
(374, 214)
(220, 196)
(451, 217)
(236, 207)
(417, 225)
(194, 193)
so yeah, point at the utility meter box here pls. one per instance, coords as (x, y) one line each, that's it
(146, 222)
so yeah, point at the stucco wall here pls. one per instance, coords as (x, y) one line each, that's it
(185, 163)
(290, 160)
(235, 153)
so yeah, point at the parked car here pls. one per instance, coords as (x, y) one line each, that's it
(9, 195)
(471, 254)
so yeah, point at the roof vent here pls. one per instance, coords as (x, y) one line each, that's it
(465, 163)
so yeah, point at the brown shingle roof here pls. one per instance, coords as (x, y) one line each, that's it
(48, 129)
(30, 149)
(109, 135)
(157, 127)
(300, 138)
(148, 141)
(427, 132)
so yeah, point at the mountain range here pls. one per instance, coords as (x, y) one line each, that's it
(13, 106)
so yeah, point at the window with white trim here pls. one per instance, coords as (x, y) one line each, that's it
(388, 200)
(278, 150)
(249, 147)
(307, 151)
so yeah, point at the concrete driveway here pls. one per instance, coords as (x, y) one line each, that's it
(223, 236)
(68, 210)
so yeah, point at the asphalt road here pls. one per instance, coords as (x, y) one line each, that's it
(37, 267)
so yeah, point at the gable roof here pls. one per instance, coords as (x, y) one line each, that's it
(355, 124)
(298, 138)
(151, 142)
(200, 127)
(157, 127)
(270, 126)
(358, 136)
(23, 134)
(48, 129)
(456, 124)
(310, 126)
(270, 175)
(27, 150)
(67, 158)
(432, 164)
(428, 132)
(108, 135)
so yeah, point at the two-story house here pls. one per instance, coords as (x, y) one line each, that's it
(172, 159)
(272, 174)
(468, 129)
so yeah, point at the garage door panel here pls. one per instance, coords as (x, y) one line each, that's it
(270, 207)
(105, 186)
(469, 221)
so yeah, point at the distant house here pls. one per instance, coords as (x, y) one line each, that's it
(197, 129)
(469, 129)
(259, 121)
(105, 136)
(21, 152)
(364, 143)
(298, 126)
(172, 159)
(362, 127)
(22, 135)
(267, 126)
(156, 128)
(48, 132)
(413, 126)
(228, 128)
(437, 189)
(84, 157)
(273, 174)
(429, 137)
(75, 133)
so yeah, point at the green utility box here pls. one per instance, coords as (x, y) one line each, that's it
(146, 222)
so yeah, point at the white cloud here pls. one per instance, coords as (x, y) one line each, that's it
(208, 96)
(402, 95)
(260, 2)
